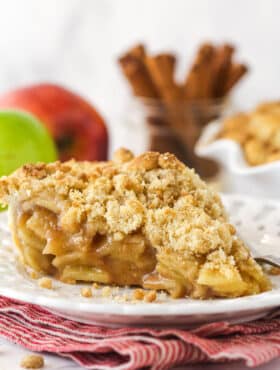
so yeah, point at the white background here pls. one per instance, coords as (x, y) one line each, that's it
(77, 42)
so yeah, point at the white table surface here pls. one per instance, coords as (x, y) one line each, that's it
(11, 355)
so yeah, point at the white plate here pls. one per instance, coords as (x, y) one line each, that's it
(252, 218)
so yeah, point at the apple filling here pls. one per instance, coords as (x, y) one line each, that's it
(46, 248)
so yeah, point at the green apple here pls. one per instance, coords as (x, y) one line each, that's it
(23, 139)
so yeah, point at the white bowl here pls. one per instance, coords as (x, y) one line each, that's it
(237, 176)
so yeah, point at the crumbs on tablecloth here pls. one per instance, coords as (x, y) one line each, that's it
(32, 362)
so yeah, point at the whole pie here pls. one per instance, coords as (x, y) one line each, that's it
(145, 221)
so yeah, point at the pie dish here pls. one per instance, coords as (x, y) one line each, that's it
(139, 221)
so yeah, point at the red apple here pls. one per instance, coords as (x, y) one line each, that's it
(77, 128)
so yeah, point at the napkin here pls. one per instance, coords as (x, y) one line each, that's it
(95, 347)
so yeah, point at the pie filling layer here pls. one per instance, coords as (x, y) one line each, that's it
(78, 257)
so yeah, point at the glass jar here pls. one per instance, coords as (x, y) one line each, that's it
(175, 127)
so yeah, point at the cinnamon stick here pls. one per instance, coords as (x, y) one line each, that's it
(237, 71)
(138, 76)
(162, 68)
(198, 83)
(221, 68)
(138, 51)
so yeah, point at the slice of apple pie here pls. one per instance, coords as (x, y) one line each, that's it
(146, 221)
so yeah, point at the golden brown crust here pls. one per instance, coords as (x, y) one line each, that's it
(145, 162)
(122, 155)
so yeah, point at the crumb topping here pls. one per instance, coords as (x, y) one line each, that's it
(153, 193)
